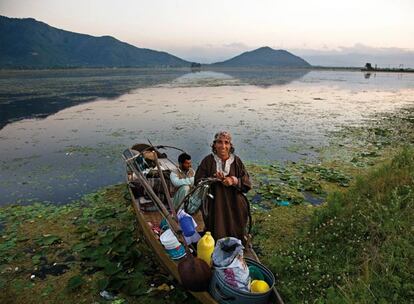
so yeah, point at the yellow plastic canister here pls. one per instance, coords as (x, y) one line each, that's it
(205, 247)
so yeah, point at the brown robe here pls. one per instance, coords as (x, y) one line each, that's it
(229, 210)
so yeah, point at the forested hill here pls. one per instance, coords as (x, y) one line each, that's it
(33, 44)
(265, 57)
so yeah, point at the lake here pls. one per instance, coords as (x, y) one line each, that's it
(63, 131)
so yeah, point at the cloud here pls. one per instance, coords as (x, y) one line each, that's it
(357, 48)
(236, 45)
(365, 49)
(357, 55)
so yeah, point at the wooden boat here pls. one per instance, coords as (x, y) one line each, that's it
(149, 215)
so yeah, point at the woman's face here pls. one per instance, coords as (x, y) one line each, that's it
(222, 146)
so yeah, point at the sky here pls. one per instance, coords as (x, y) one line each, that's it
(214, 30)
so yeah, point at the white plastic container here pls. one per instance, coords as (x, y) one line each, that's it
(168, 240)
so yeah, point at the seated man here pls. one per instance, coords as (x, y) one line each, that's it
(182, 178)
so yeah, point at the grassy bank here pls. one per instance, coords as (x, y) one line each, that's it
(358, 248)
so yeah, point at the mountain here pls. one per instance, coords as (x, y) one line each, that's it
(33, 44)
(265, 57)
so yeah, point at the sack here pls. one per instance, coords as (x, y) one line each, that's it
(229, 263)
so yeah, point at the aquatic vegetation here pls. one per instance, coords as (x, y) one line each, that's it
(329, 174)
(57, 253)
(295, 182)
(85, 150)
(369, 143)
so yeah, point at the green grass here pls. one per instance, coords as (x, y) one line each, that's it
(359, 248)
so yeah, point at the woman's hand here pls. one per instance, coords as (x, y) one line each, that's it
(230, 181)
(220, 175)
(226, 180)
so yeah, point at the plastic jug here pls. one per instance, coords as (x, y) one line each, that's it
(187, 225)
(205, 247)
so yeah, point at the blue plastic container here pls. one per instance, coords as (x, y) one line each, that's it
(187, 225)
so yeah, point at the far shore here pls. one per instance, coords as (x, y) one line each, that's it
(211, 68)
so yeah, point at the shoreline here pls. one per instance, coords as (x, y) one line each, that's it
(208, 68)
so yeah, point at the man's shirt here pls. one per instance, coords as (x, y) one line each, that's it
(180, 178)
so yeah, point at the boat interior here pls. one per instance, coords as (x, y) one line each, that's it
(144, 181)
(146, 206)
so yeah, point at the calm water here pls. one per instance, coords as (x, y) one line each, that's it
(62, 132)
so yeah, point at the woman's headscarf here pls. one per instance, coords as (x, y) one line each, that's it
(226, 135)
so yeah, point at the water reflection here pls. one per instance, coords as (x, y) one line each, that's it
(267, 77)
(258, 77)
(38, 94)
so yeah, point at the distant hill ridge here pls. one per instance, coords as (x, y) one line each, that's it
(265, 56)
(28, 43)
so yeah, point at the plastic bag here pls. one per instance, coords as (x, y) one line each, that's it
(229, 263)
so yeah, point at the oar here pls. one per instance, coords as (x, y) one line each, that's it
(170, 203)
(164, 185)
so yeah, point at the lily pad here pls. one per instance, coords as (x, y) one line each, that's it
(75, 282)
(47, 240)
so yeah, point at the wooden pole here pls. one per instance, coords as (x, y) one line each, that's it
(171, 221)
(164, 185)
(170, 203)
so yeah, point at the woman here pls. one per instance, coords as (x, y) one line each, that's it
(228, 210)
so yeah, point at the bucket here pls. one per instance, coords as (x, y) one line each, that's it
(176, 253)
(187, 225)
(225, 294)
(168, 240)
(172, 246)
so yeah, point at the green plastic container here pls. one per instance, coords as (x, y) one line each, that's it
(225, 294)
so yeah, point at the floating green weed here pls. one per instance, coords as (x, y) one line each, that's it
(47, 240)
(78, 250)
(330, 175)
(75, 282)
(277, 183)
